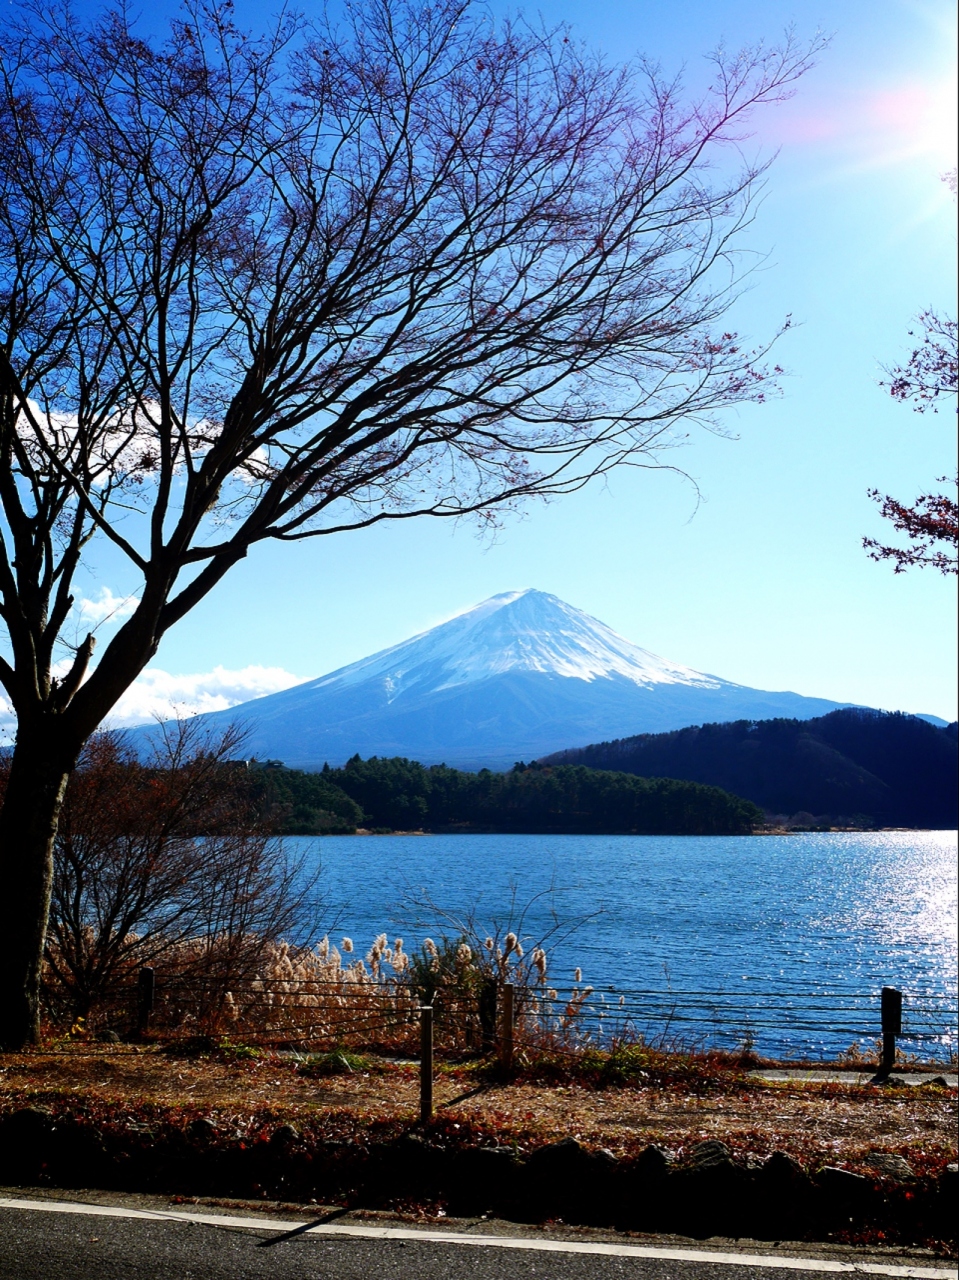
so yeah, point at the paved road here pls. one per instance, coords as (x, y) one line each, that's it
(58, 1240)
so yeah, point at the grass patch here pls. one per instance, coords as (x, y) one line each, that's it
(338, 1062)
(233, 1052)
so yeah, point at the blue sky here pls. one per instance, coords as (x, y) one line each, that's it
(766, 582)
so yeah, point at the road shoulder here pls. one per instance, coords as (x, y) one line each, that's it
(276, 1216)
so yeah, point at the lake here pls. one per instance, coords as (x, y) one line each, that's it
(784, 941)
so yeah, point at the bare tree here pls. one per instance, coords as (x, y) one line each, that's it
(166, 862)
(285, 286)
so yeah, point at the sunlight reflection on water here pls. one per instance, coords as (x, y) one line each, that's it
(766, 921)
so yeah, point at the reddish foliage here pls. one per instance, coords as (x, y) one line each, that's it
(932, 523)
(933, 520)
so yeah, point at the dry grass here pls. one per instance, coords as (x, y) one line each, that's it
(820, 1123)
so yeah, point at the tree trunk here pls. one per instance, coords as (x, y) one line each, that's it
(28, 822)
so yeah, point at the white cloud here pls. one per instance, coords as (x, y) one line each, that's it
(157, 693)
(107, 607)
(8, 721)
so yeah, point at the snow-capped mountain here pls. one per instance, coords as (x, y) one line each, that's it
(519, 676)
(515, 631)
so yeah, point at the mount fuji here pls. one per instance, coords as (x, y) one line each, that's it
(519, 676)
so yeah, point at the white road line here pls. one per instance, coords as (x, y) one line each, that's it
(492, 1242)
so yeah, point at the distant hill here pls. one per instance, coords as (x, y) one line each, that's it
(865, 767)
(400, 794)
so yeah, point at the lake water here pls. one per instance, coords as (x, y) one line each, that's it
(784, 940)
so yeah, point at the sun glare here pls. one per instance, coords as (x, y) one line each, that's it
(869, 118)
(916, 121)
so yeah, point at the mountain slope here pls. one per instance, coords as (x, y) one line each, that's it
(894, 769)
(519, 675)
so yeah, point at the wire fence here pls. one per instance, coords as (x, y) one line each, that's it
(761, 1021)
(386, 1015)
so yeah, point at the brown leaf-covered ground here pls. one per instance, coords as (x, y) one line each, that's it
(831, 1123)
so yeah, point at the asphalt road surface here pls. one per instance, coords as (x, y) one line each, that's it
(57, 1239)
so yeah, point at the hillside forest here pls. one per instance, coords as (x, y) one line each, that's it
(852, 767)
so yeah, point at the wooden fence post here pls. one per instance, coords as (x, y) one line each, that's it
(487, 1013)
(891, 1026)
(426, 1063)
(146, 991)
(506, 1032)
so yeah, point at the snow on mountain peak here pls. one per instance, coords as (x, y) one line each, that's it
(522, 631)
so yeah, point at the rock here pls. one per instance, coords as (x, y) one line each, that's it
(709, 1192)
(710, 1156)
(27, 1124)
(107, 1037)
(494, 1158)
(780, 1169)
(202, 1130)
(939, 1081)
(412, 1150)
(842, 1183)
(782, 1198)
(141, 1132)
(652, 1163)
(566, 1163)
(566, 1180)
(483, 1179)
(643, 1189)
(76, 1154)
(26, 1137)
(566, 1154)
(411, 1161)
(284, 1136)
(891, 1166)
(492, 1161)
(711, 1145)
(942, 1202)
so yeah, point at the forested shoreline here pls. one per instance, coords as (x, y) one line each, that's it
(390, 794)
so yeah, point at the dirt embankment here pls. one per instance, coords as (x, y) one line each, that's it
(704, 1149)
(832, 1121)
